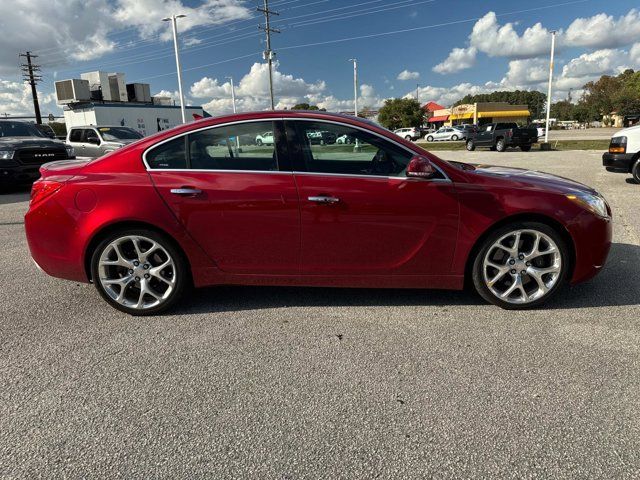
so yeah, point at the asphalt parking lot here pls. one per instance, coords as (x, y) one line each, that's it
(291, 383)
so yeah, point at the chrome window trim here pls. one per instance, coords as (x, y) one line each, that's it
(274, 119)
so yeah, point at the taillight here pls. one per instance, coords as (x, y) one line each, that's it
(618, 145)
(44, 188)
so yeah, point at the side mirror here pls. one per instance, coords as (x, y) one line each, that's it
(420, 167)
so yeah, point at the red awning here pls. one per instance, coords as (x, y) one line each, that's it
(441, 118)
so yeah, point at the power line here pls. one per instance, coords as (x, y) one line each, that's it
(268, 53)
(31, 76)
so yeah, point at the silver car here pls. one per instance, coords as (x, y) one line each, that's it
(94, 141)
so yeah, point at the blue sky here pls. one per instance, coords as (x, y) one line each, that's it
(138, 44)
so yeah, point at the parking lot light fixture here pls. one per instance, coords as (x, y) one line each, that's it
(174, 25)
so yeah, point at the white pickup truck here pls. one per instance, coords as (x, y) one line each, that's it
(624, 152)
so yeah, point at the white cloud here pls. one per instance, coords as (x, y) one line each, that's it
(531, 71)
(458, 59)
(503, 41)
(634, 54)
(604, 31)
(81, 30)
(407, 75)
(15, 99)
(600, 62)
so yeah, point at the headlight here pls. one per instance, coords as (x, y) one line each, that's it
(594, 203)
(71, 152)
(6, 154)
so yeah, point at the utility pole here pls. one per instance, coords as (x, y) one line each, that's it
(553, 47)
(268, 53)
(418, 92)
(174, 24)
(31, 76)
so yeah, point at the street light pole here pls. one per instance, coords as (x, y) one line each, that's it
(233, 95)
(418, 92)
(174, 24)
(355, 85)
(553, 47)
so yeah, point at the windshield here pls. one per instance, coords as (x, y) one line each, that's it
(110, 134)
(19, 129)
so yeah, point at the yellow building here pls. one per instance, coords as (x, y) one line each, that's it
(490, 112)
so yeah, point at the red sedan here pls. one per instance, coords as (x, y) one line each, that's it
(212, 203)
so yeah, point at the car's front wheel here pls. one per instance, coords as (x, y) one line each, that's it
(139, 272)
(521, 265)
(471, 146)
(430, 138)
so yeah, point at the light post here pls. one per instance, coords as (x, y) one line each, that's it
(418, 92)
(174, 25)
(233, 94)
(545, 145)
(355, 95)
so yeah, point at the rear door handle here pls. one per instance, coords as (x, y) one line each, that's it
(324, 199)
(186, 191)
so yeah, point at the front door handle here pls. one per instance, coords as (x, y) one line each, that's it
(186, 191)
(324, 199)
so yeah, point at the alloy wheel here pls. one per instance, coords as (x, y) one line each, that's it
(137, 272)
(522, 266)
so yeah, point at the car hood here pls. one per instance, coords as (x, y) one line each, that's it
(26, 142)
(627, 131)
(121, 142)
(530, 179)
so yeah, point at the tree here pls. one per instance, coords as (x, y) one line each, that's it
(306, 106)
(401, 113)
(562, 110)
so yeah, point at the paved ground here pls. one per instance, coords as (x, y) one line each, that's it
(290, 383)
(583, 134)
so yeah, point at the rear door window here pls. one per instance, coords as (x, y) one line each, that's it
(75, 135)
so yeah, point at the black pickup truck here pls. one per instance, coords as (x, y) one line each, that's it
(500, 136)
(23, 150)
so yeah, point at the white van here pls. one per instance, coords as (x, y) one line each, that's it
(624, 152)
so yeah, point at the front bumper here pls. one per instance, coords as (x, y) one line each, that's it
(592, 241)
(19, 175)
(618, 162)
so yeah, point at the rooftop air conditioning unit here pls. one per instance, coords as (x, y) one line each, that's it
(72, 91)
(139, 92)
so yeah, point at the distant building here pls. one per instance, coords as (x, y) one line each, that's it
(101, 98)
(437, 115)
(489, 112)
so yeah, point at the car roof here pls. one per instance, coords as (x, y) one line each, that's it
(100, 126)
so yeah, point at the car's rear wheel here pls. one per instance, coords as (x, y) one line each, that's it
(635, 171)
(470, 145)
(259, 142)
(408, 138)
(500, 145)
(454, 137)
(430, 138)
(139, 271)
(521, 265)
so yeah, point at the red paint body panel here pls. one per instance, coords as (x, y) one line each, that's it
(260, 228)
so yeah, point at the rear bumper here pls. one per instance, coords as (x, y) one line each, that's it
(618, 162)
(592, 241)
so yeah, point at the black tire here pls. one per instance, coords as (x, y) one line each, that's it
(525, 148)
(471, 146)
(408, 138)
(501, 146)
(454, 137)
(635, 171)
(183, 276)
(259, 142)
(429, 138)
(477, 273)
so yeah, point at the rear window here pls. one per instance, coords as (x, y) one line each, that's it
(169, 155)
